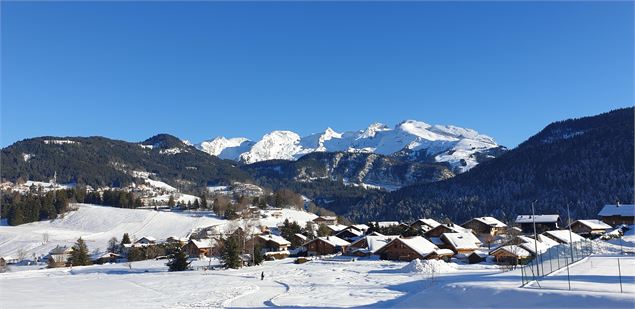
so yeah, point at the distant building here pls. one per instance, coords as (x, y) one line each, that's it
(273, 246)
(146, 241)
(407, 249)
(60, 255)
(543, 223)
(201, 247)
(589, 227)
(618, 214)
(326, 245)
(563, 236)
(510, 255)
(446, 228)
(327, 220)
(369, 245)
(485, 225)
(461, 243)
(424, 225)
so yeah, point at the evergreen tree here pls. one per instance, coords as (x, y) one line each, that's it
(258, 256)
(231, 253)
(79, 256)
(196, 204)
(125, 239)
(171, 201)
(323, 230)
(178, 262)
(203, 202)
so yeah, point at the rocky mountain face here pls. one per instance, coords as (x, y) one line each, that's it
(410, 140)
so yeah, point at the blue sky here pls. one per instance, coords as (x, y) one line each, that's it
(202, 69)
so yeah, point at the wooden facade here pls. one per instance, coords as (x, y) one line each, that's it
(398, 251)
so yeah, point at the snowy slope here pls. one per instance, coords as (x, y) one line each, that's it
(97, 224)
(451, 144)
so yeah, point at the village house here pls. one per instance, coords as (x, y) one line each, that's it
(618, 214)
(201, 247)
(424, 225)
(59, 255)
(370, 244)
(510, 255)
(589, 227)
(385, 224)
(108, 257)
(146, 241)
(477, 257)
(273, 246)
(349, 234)
(297, 240)
(563, 236)
(485, 225)
(460, 243)
(326, 245)
(176, 240)
(407, 249)
(530, 245)
(543, 223)
(327, 220)
(335, 228)
(446, 228)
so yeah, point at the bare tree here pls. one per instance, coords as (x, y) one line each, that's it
(45, 238)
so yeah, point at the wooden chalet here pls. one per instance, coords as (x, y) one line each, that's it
(146, 241)
(326, 220)
(326, 245)
(407, 249)
(424, 225)
(273, 246)
(543, 223)
(461, 243)
(446, 228)
(201, 247)
(485, 225)
(59, 255)
(510, 255)
(618, 214)
(563, 236)
(589, 227)
(477, 257)
(369, 244)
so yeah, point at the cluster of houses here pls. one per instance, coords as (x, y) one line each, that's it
(474, 241)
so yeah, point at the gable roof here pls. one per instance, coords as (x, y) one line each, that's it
(418, 244)
(514, 250)
(203, 243)
(461, 240)
(279, 240)
(564, 236)
(353, 231)
(336, 227)
(539, 218)
(454, 228)
(627, 210)
(429, 222)
(593, 224)
(300, 236)
(361, 227)
(331, 240)
(61, 250)
(491, 221)
(325, 218)
(376, 242)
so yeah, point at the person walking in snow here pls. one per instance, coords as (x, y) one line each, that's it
(262, 275)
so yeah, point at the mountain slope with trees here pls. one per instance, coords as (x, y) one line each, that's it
(584, 162)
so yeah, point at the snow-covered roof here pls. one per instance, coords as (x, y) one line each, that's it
(444, 252)
(352, 231)
(419, 245)
(429, 222)
(513, 249)
(491, 221)
(334, 241)
(538, 218)
(336, 227)
(564, 236)
(627, 210)
(276, 239)
(377, 242)
(385, 223)
(543, 244)
(455, 228)
(593, 224)
(61, 250)
(148, 238)
(300, 236)
(204, 242)
(375, 234)
(361, 227)
(325, 218)
(461, 240)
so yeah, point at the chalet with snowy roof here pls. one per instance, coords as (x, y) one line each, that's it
(407, 249)
(510, 255)
(563, 236)
(446, 228)
(485, 225)
(335, 228)
(297, 240)
(273, 246)
(530, 245)
(59, 255)
(146, 241)
(108, 257)
(368, 245)
(618, 214)
(350, 234)
(326, 245)
(460, 243)
(543, 223)
(327, 220)
(201, 247)
(477, 257)
(589, 227)
(424, 225)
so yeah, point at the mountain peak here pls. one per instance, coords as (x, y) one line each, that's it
(164, 141)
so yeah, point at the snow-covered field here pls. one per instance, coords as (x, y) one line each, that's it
(338, 282)
(97, 224)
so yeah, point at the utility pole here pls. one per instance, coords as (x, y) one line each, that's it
(533, 218)
(570, 234)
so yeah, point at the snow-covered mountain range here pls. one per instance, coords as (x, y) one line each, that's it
(460, 147)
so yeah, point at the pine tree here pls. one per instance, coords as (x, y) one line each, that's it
(196, 204)
(258, 257)
(125, 239)
(171, 201)
(203, 201)
(178, 262)
(79, 256)
(231, 253)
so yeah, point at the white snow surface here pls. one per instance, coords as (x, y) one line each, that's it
(451, 144)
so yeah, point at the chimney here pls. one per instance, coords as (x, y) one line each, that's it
(327, 237)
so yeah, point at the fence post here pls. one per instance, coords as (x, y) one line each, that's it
(568, 276)
(558, 255)
(550, 266)
(619, 269)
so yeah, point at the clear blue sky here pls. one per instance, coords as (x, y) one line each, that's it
(202, 69)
